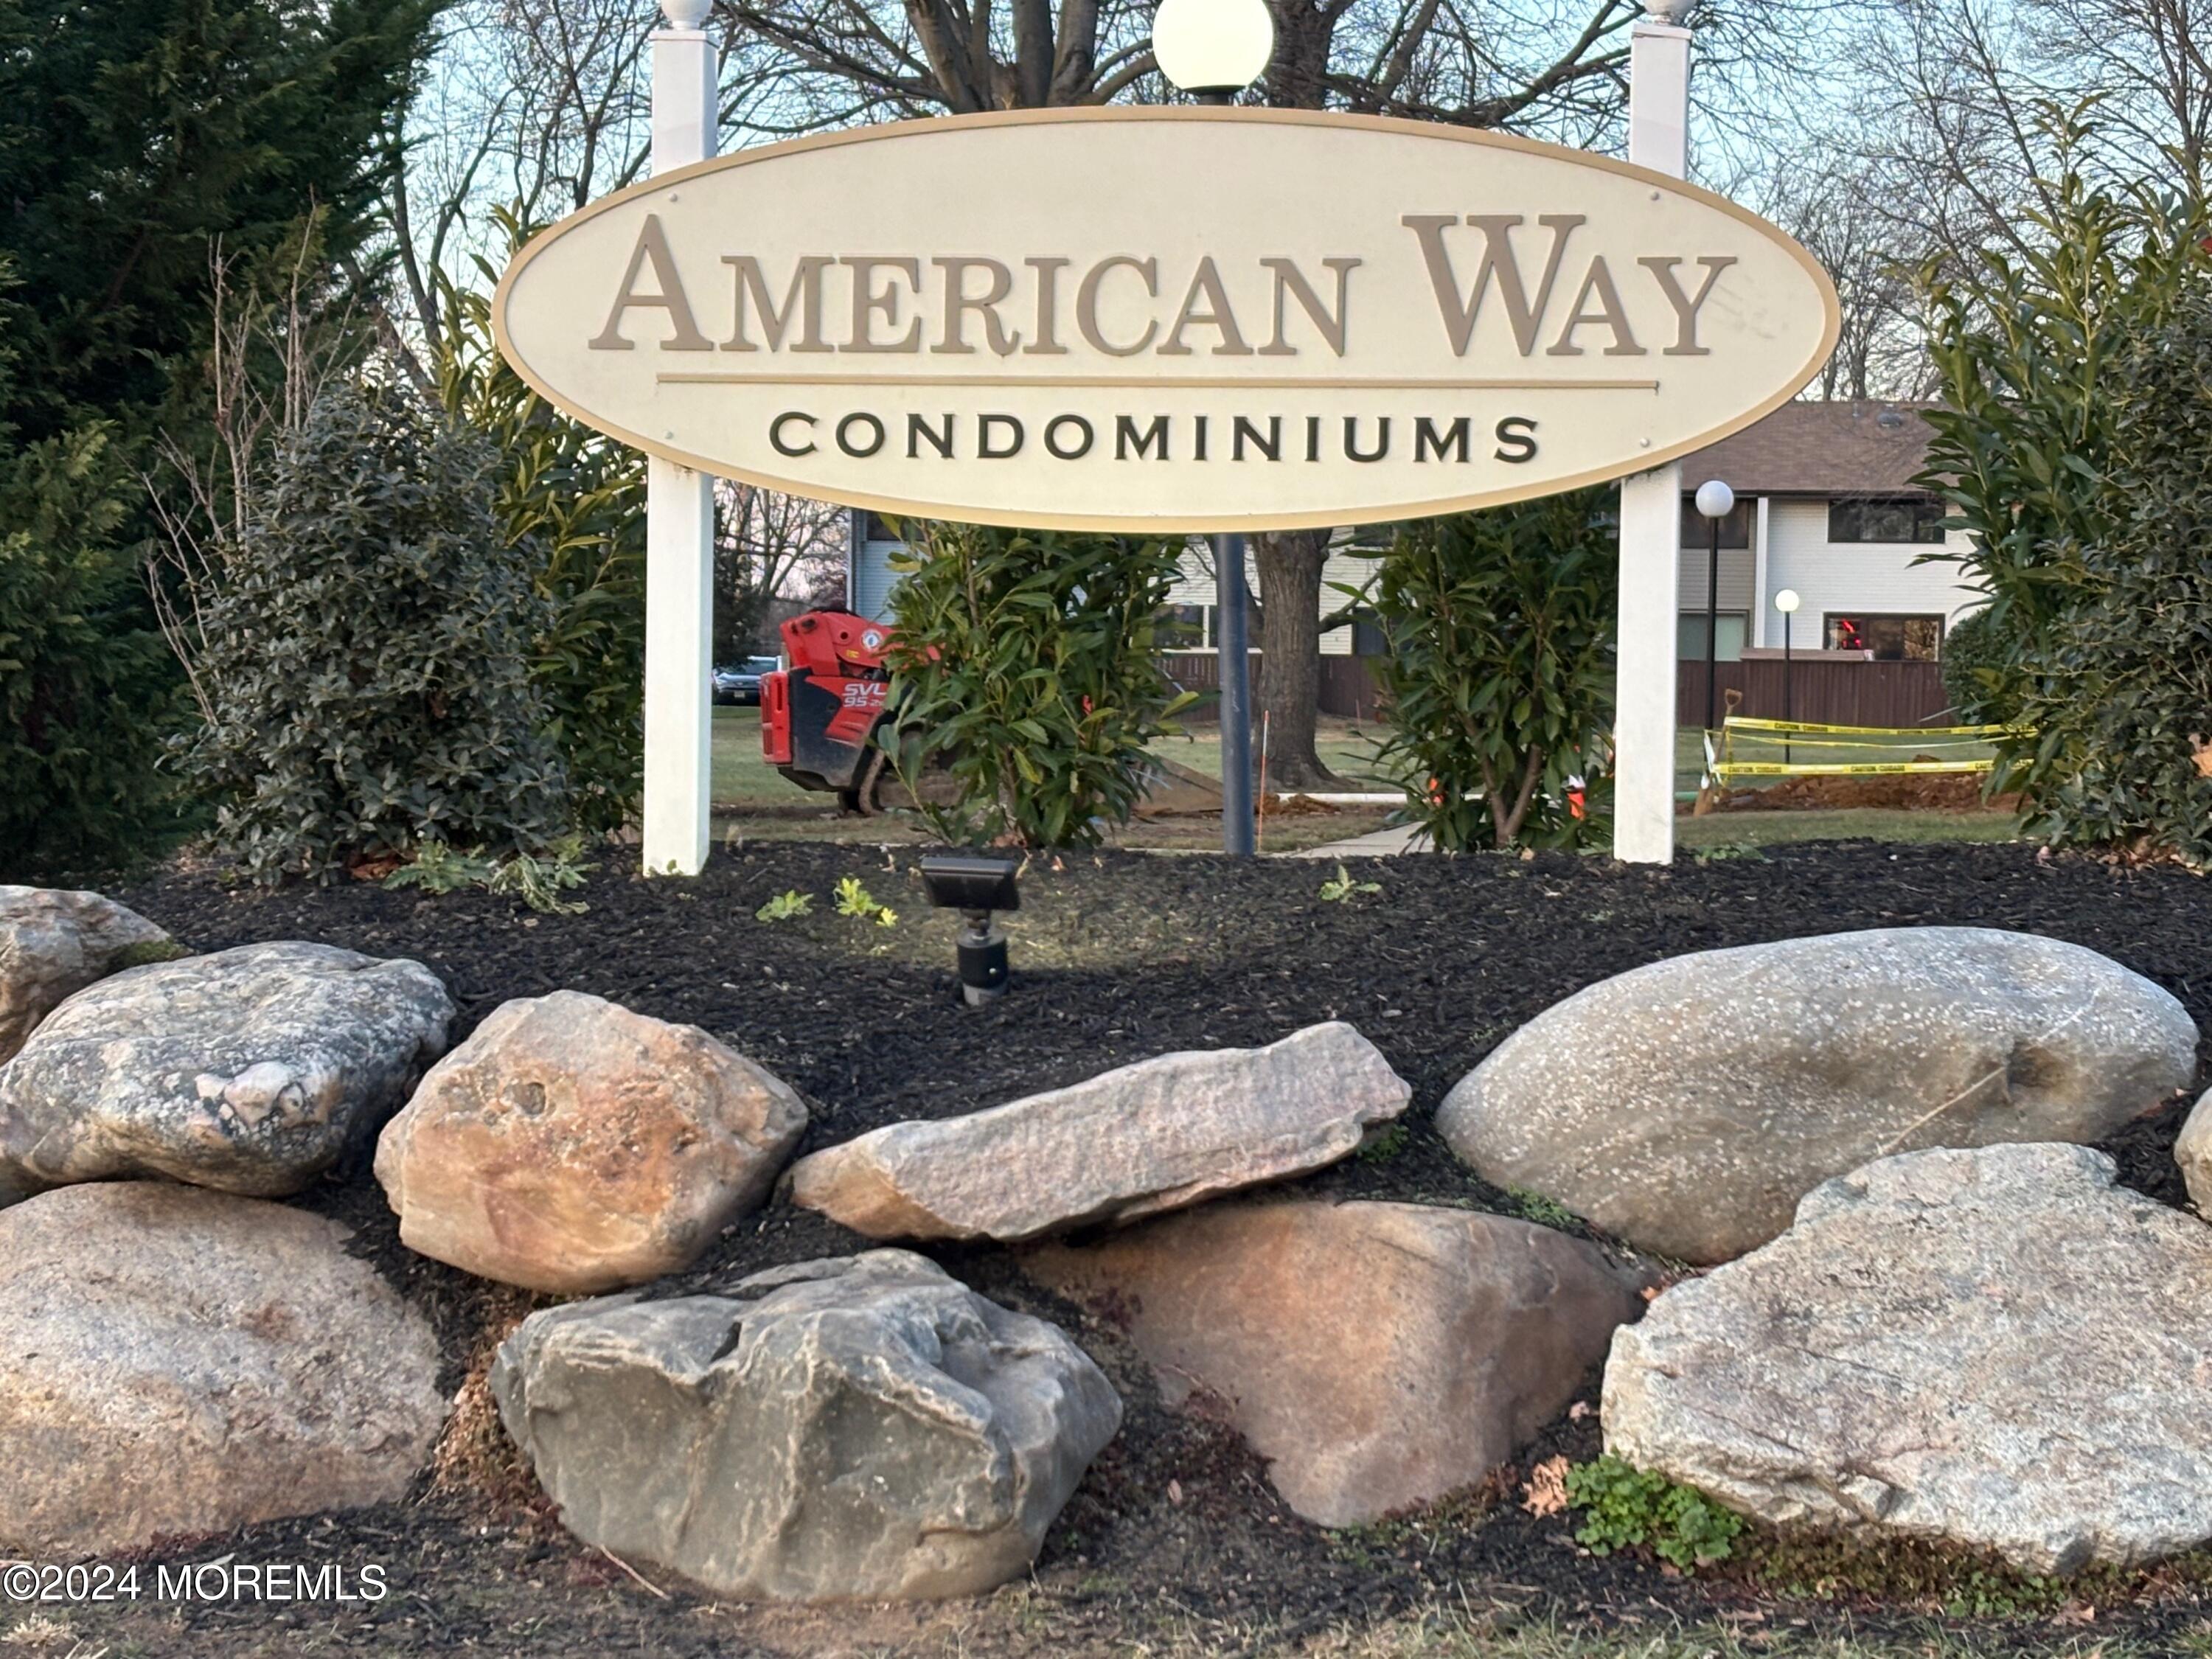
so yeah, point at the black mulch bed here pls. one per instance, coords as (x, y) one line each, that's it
(1116, 957)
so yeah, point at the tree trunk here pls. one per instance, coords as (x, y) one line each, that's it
(1289, 655)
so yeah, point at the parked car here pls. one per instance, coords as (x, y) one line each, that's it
(742, 684)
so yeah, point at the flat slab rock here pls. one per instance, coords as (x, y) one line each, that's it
(182, 1362)
(861, 1427)
(1378, 1356)
(54, 942)
(250, 1071)
(1997, 1347)
(573, 1146)
(1688, 1105)
(1158, 1135)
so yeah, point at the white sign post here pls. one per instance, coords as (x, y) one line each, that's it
(1243, 319)
(1651, 502)
(679, 513)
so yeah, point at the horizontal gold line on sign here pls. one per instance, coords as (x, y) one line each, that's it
(1165, 382)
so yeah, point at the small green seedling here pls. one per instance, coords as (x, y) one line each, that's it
(856, 900)
(1623, 1506)
(1340, 887)
(784, 906)
(1544, 1212)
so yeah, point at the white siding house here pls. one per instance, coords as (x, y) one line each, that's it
(1826, 507)
(872, 579)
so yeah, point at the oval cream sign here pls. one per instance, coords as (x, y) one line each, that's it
(1166, 317)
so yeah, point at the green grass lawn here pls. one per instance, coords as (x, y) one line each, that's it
(752, 801)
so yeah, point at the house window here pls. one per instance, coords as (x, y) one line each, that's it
(1735, 527)
(874, 527)
(1892, 639)
(1183, 628)
(1727, 637)
(1918, 519)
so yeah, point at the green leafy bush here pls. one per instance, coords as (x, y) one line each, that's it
(2119, 694)
(2073, 448)
(1025, 666)
(1980, 669)
(1498, 686)
(368, 654)
(576, 499)
(85, 685)
(1623, 1507)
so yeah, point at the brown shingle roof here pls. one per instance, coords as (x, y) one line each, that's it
(1842, 448)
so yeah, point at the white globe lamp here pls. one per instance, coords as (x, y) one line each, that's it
(1715, 499)
(1214, 49)
(686, 14)
(1787, 602)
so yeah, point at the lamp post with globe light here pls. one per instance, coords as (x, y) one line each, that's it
(1716, 500)
(1787, 603)
(1214, 49)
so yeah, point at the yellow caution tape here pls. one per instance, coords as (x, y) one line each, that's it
(1738, 723)
(1783, 770)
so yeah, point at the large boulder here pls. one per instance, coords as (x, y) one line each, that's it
(2193, 1152)
(1378, 1356)
(862, 1427)
(54, 943)
(1158, 1135)
(1996, 1347)
(182, 1362)
(250, 1071)
(1688, 1105)
(571, 1146)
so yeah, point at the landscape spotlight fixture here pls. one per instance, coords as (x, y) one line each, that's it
(1214, 49)
(974, 885)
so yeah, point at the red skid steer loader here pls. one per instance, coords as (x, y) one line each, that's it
(818, 717)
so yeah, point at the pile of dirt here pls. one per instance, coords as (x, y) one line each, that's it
(1922, 792)
(1174, 1537)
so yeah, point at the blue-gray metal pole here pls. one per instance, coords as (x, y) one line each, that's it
(1236, 697)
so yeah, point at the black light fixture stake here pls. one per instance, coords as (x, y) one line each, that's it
(974, 885)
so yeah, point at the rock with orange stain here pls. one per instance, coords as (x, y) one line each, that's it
(573, 1146)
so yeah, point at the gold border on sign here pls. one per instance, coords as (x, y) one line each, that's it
(1164, 523)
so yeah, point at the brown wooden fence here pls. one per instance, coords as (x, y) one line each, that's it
(1897, 694)
(1826, 693)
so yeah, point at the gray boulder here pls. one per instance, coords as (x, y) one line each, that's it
(1998, 1348)
(862, 1427)
(2193, 1152)
(250, 1070)
(181, 1362)
(1378, 1356)
(1161, 1134)
(54, 943)
(1688, 1105)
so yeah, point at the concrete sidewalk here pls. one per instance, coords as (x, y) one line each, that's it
(1378, 843)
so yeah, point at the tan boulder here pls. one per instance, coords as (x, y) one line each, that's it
(2193, 1152)
(53, 943)
(1158, 1135)
(1378, 1356)
(573, 1146)
(180, 1362)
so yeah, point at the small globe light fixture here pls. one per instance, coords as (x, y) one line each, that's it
(686, 14)
(1715, 499)
(1667, 11)
(1787, 602)
(1214, 49)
